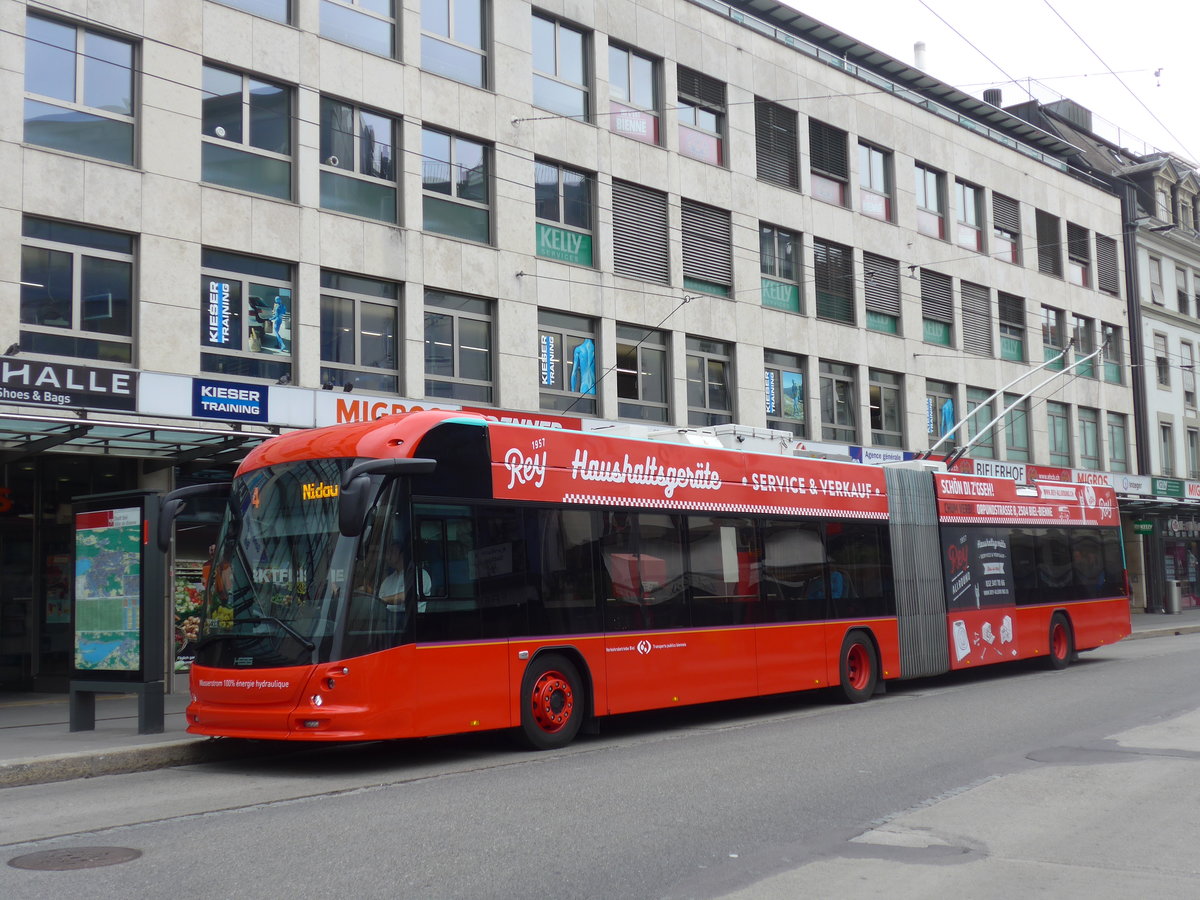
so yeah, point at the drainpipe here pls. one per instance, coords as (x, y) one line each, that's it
(1152, 568)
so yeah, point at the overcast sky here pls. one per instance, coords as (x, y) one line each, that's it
(1033, 39)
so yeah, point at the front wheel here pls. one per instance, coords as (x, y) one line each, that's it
(858, 668)
(1062, 643)
(552, 703)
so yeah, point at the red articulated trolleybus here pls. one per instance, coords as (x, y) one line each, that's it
(434, 572)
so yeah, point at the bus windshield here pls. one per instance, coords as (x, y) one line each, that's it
(277, 570)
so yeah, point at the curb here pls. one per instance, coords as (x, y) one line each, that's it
(1165, 631)
(126, 760)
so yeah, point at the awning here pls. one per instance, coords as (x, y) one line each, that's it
(166, 444)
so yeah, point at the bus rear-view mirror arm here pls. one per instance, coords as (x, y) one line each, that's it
(173, 503)
(356, 482)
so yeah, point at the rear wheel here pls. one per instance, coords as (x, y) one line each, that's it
(552, 702)
(859, 670)
(1062, 643)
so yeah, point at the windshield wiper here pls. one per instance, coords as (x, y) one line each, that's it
(259, 620)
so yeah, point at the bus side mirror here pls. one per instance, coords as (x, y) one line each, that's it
(355, 494)
(173, 503)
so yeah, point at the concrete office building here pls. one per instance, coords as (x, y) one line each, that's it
(241, 216)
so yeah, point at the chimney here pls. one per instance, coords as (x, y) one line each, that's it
(919, 55)
(993, 96)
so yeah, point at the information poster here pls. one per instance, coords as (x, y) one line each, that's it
(189, 609)
(108, 590)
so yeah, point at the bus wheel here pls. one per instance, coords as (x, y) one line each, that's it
(1061, 642)
(552, 703)
(858, 668)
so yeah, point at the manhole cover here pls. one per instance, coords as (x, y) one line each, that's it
(74, 858)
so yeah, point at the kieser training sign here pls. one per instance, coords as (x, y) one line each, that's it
(223, 400)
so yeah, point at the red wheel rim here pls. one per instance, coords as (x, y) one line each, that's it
(1058, 640)
(553, 702)
(858, 667)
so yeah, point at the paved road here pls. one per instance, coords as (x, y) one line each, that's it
(1001, 783)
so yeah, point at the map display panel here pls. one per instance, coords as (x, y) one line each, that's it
(108, 590)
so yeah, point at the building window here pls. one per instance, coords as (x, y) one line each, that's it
(887, 409)
(1089, 438)
(829, 159)
(76, 291)
(1162, 362)
(1084, 332)
(366, 24)
(276, 10)
(976, 318)
(1079, 255)
(1108, 273)
(931, 201)
(247, 133)
(1054, 335)
(1187, 367)
(1012, 327)
(970, 215)
(1118, 455)
(1162, 204)
(566, 362)
(458, 347)
(78, 90)
(1016, 428)
(1196, 290)
(941, 413)
(839, 403)
(776, 144)
(707, 248)
(1193, 454)
(1006, 229)
(456, 179)
(563, 207)
(833, 274)
(980, 412)
(881, 288)
(875, 182)
(633, 92)
(358, 161)
(560, 68)
(1058, 429)
(359, 336)
(779, 263)
(1156, 281)
(641, 245)
(708, 382)
(1049, 244)
(784, 389)
(454, 40)
(701, 114)
(1112, 353)
(1166, 449)
(245, 316)
(1182, 298)
(937, 308)
(641, 373)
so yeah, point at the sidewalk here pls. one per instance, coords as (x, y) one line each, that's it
(37, 746)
